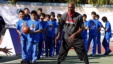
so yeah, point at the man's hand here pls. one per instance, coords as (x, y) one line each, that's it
(6, 51)
(71, 38)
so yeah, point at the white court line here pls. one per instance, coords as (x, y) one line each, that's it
(106, 59)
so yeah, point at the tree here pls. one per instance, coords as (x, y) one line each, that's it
(94, 2)
(13, 1)
(98, 2)
(82, 1)
(111, 1)
(75, 1)
(103, 2)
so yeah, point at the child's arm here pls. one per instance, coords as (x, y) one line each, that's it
(32, 32)
(17, 28)
(37, 31)
(106, 29)
(107, 26)
(19, 32)
(39, 28)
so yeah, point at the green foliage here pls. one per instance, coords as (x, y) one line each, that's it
(94, 2)
(63, 1)
(75, 1)
(98, 2)
(13, 1)
(82, 1)
(102, 2)
(111, 1)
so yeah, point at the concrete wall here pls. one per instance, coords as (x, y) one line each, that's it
(9, 12)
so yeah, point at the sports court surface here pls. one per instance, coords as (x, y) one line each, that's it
(71, 59)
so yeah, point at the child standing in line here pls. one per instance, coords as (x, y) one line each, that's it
(50, 36)
(93, 26)
(33, 37)
(23, 37)
(107, 36)
(58, 43)
(42, 34)
(99, 36)
(84, 32)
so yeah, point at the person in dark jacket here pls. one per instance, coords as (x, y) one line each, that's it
(72, 23)
(2, 25)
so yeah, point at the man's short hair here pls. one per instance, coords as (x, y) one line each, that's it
(72, 3)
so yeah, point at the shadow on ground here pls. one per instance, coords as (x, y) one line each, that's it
(9, 58)
(69, 60)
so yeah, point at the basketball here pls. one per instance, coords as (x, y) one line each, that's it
(25, 29)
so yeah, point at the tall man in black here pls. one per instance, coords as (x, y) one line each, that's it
(2, 25)
(72, 23)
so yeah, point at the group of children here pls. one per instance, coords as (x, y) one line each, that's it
(92, 31)
(43, 29)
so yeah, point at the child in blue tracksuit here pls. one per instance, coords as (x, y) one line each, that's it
(23, 37)
(84, 32)
(99, 36)
(58, 43)
(26, 11)
(52, 24)
(93, 25)
(33, 37)
(42, 34)
(107, 36)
